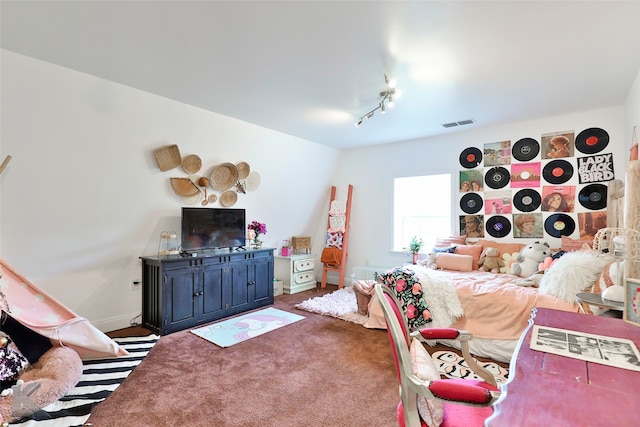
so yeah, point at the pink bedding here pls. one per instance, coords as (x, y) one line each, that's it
(37, 310)
(495, 307)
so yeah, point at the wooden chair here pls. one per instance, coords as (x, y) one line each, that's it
(467, 402)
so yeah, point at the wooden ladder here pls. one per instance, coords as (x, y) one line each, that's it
(345, 241)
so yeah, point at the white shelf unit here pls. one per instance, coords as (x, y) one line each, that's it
(296, 271)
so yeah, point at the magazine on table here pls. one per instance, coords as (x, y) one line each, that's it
(611, 351)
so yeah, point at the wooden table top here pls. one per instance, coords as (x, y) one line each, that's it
(548, 389)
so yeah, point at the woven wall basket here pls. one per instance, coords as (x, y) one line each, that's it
(191, 164)
(184, 187)
(168, 157)
(224, 176)
(228, 198)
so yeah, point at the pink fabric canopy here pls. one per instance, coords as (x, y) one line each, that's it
(42, 313)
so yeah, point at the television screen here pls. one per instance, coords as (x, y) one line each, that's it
(211, 228)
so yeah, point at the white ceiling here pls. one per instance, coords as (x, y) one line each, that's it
(312, 68)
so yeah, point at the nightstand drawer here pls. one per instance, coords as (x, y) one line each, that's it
(305, 277)
(303, 265)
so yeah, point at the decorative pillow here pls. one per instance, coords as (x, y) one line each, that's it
(431, 410)
(12, 363)
(408, 290)
(474, 250)
(447, 249)
(30, 343)
(450, 241)
(503, 248)
(509, 259)
(570, 245)
(573, 273)
(454, 262)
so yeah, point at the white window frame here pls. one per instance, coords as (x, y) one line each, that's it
(421, 207)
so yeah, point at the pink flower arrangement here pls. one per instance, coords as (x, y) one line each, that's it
(258, 228)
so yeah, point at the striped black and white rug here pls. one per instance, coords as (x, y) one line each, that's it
(99, 379)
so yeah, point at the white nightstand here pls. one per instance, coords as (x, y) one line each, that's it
(296, 271)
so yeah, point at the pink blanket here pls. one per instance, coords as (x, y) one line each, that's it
(37, 310)
(496, 308)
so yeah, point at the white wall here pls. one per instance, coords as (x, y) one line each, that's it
(632, 112)
(372, 170)
(83, 197)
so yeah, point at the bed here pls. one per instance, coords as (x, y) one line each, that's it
(494, 307)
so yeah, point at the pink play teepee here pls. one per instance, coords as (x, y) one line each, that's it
(42, 313)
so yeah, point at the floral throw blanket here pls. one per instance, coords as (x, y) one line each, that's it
(426, 299)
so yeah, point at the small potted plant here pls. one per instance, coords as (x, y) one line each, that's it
(414, 247)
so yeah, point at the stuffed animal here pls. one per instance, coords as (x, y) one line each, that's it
(430, 261)
(528, 259)
(490, 261)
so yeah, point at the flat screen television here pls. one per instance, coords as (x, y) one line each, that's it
(212, 228)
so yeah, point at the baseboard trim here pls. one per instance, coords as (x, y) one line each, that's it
(116, 323)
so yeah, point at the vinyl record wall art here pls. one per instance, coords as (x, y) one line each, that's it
(538, 181)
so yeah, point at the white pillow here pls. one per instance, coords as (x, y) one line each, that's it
(573, 273)
(431, 410)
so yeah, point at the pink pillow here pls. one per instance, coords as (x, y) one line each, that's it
(449, 241)
(431, 410)
(570, 245)
(454, 262)
(474, 250)
(503, 248)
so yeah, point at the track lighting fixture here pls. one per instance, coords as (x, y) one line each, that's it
(386, 100)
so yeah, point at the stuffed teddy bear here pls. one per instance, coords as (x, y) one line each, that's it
(529, 258)
(490, 261)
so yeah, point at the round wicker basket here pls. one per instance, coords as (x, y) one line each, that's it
(224, 176)
(243, 170)
(228, 198)
(191, 164)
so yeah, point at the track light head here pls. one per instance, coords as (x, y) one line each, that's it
(386, 100)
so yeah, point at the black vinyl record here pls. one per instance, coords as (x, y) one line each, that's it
(592, 140)
(593, 196)
(497, 177)
(525, 149)
(470, 157)
(471, 203)
(498, 226)
(527, 200)
(557, 171)
(558, 225)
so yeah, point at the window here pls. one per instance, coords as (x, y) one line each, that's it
(421, 207)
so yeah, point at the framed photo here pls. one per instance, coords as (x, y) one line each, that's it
(631, 312)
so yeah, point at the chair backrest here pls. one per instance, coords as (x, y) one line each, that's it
(397, 329)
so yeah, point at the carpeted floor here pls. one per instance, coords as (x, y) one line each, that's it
(320, 371)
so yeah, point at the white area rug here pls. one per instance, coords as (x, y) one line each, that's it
(341, 304)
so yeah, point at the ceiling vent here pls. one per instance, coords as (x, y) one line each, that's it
(460, 123)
